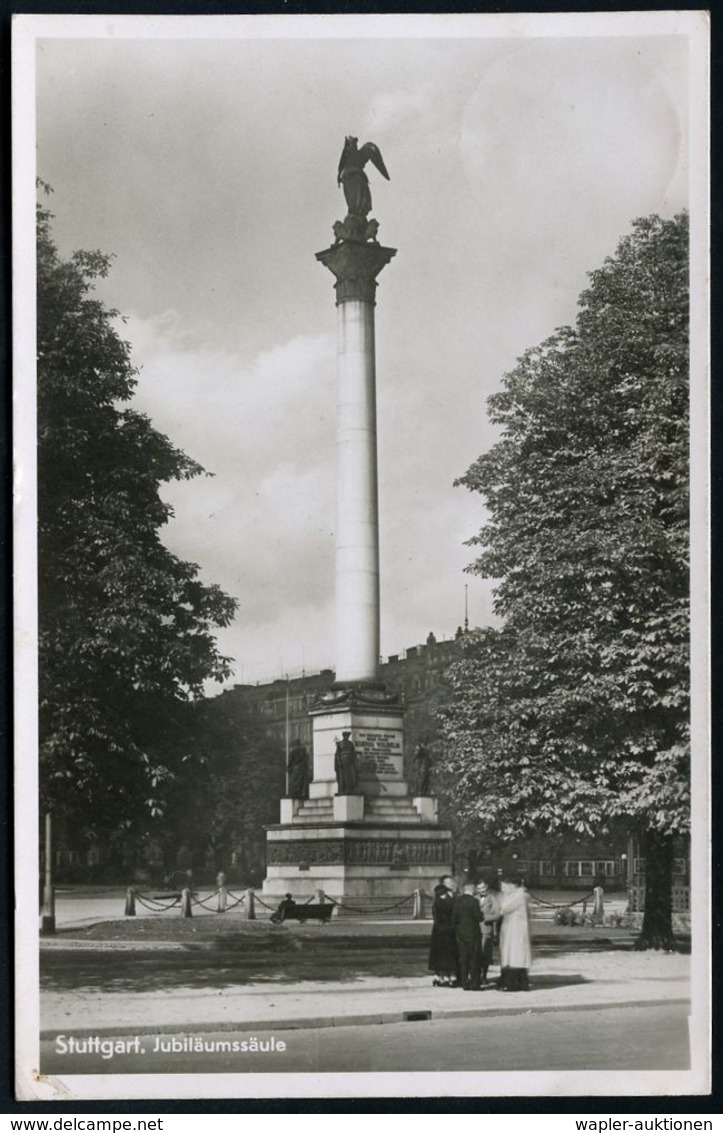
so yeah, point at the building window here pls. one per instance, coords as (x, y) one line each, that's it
(578, 869)
(547, 869)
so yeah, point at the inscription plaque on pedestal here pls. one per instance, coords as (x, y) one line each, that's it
(380, 752)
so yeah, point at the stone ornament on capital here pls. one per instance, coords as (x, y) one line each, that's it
(355, 266)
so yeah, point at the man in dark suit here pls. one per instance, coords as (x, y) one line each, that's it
(466, 918)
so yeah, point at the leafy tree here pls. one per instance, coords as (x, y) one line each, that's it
(574, 714)
(220, 804)
(126, 627)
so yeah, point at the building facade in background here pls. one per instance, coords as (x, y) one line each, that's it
(419, 677)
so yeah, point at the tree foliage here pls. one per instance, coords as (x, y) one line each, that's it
(221, 803)
(574, 713)
(126, 627)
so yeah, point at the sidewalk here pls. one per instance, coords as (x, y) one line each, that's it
(574, 981)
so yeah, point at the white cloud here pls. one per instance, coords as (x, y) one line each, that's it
(390, 110)
(261, 525)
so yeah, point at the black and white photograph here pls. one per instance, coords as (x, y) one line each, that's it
(361, 573)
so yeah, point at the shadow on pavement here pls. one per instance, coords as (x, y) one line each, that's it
(158, 971)
(565, 979)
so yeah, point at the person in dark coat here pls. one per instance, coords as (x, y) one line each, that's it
(443, 945)
(467, 918)
(287, 906)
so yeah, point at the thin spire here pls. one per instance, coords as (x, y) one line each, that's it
(466, 619)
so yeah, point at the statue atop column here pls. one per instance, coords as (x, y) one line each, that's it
(346, 766)
(355, 183)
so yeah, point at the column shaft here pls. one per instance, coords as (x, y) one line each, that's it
(357, 524)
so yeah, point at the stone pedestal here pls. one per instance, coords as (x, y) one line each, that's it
(289, 809)
(367, 849)
(370, 862)
(426, 807)
(377, 728)
(348, 808)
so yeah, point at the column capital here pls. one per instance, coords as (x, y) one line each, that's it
(356, 266)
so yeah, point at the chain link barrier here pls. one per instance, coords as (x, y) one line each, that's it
(202, 902)
(308, 901)
(272, 909)
(156, 906)
(269, 907)
(568, 905)
(366, 912)
(539, 901)
(238, 901)
(340, 905)
(165, 904)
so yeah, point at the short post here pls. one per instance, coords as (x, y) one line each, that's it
(222, 893)
(186, 910)
(47, 921)
(584, 909)
(130, 909)
(250, 905)
(418, 908)
(598, 908)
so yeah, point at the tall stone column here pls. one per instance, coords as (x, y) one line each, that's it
(373, 842)
(356, 265)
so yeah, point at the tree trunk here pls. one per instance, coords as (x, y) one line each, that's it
(657, 930)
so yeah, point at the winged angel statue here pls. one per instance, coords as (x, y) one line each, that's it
(353, 179)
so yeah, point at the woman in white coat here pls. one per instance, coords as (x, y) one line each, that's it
(515, 949)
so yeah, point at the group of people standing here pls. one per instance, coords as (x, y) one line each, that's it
(466, 927)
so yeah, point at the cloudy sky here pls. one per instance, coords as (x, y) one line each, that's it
(207, 165)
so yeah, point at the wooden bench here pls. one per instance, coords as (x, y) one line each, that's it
(302, 913)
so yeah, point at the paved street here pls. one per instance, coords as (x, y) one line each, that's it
(174, 996)
(653, 1037)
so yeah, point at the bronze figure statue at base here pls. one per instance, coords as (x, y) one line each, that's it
(423, 769)
(346, 766)
(298, 771)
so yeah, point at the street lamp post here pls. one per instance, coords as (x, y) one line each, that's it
(47, 922)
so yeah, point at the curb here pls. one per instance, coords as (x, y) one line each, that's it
(367, 1019)
(223, 942)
